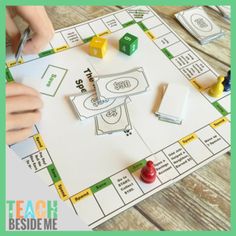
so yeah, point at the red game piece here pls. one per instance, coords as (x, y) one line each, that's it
(148, 173)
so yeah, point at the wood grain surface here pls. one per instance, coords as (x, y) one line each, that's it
(200, 201)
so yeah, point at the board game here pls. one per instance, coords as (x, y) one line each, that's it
(98, 176)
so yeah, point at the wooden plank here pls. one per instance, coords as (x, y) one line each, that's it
(71, 15)
(215, 64)
(197, 202)
(217, 175)
(130, 219)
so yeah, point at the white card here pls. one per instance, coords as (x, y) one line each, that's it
(114, 120)
(173, 103)
(87, 105)
(121, 84)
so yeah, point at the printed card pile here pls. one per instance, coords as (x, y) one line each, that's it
(196, 21)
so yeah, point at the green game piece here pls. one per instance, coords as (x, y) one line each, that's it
(128, 44)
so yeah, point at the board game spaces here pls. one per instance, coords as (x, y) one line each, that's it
(96, 171)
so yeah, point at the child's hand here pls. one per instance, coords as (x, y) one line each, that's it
(39, 23)
(22, 111)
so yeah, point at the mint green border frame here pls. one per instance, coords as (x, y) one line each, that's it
(3, 3)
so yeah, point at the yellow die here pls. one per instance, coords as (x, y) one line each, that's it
(98, 47)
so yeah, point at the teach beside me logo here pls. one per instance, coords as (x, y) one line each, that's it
(32, 215)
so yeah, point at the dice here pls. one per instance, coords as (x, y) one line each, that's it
(128, 44)
(98, 47)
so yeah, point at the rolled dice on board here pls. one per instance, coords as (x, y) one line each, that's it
(128, 44)
(98, 47)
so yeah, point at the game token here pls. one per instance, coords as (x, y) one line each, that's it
(128, 44)
(217, 89)
(98, 47)
(148, 173)
(227, 82)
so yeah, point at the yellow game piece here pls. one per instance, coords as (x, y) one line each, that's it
(98, 47)
(217, 89)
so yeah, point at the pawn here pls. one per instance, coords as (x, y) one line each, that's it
(148, 173)
(227, 82)
(217, 89)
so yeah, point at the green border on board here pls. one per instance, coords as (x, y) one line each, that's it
(3, 3)
(2, 119)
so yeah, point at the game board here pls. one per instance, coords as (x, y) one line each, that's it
(98, 176)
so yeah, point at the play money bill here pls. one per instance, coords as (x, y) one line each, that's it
(121, 84)
(114, 120)
(87, 105)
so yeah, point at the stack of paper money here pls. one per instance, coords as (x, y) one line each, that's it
(196, 21)
(108, 102)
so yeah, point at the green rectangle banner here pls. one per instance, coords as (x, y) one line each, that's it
(101, 185)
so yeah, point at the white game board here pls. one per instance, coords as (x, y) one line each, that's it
(98, 176)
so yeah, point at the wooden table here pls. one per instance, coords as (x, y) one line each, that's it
(200, 201)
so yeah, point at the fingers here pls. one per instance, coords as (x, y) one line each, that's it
(40, 24)
(36, 43)
(23, 103)
(23, 106)
(20, 98)
(15, 89)
(12, 31)
(15, 136)
(22, 120)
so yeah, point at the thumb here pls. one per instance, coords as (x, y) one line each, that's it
(12, 31)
